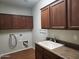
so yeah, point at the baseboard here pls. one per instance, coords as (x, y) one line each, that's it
(14, 51)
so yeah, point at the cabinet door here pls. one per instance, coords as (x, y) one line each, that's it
(38, 52)
(45, 18)
(58, 14)
(5, 21)
(18, 22)
(73, 14)
(49, 55)
(22, 22)
(29, 22)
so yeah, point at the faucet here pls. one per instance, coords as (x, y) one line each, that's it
(54, 38)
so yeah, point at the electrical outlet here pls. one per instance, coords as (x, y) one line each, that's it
(75, 37)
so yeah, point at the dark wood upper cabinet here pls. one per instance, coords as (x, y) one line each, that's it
(15, 22)
(58, 14)
(5, 21)
(62, 14)
(45, 17)
(73, 14)
(29, 22)
(18, 22)
(54, 15)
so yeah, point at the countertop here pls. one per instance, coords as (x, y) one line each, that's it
(64, 52)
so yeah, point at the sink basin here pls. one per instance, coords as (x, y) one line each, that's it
(50, 44)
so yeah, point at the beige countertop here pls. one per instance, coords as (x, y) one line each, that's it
(64, 52)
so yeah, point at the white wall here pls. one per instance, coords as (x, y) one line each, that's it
(38, 33)
(8, 9)
(4, 34)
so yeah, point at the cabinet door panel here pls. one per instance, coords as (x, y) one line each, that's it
(5, 21)
(29, 22)
(45, 17)
(18, 22)
(58, 15)
(2, 24)
(73, 14)
(38, 52)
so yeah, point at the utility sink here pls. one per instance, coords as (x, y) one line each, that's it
(50, 44)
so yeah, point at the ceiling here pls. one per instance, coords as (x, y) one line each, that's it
(21, 3)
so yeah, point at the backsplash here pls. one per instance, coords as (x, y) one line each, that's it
(71, 36)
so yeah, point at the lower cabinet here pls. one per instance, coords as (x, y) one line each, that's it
(38, 52)
(49, 55)
(42, 53)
